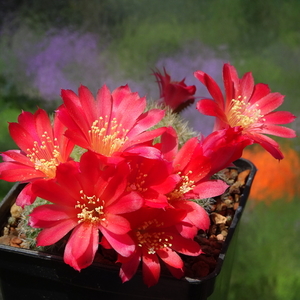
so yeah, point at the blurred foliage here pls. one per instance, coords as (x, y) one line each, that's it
(261, 36)
(267, 263)
(266, 33)
(241, 24)
(12, 99)
(12, 103)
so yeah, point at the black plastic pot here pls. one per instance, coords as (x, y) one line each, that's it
(27, 274)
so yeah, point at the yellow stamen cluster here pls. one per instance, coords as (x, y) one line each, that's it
(45, 155)
(91, 209)
(184, 186)
(139, 182)
(151, 239)
(243, 114)
(107, 136)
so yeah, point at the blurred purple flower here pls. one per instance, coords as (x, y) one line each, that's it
(61, 56)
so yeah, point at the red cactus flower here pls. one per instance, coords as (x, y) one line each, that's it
(223, 147)
(114, 122)
(195, 163)
(246, 105)
(88, 198)
(156, 239)
(176, 95)
(43, 148)
(194, 169)
(151, 178)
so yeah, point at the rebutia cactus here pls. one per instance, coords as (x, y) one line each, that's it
(27, 232)
(184, 132)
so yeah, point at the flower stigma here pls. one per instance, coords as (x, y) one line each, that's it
(107, 136)
(91, 209)
(153, 240)
(243, 114)
(45, 155)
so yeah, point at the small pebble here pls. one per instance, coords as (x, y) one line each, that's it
(220, 237)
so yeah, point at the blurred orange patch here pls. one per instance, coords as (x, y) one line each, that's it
(274, 179)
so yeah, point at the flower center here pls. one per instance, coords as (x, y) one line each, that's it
(91, 209)
(243, 114)
(45, 156)
(183, 187)
(139, 182)
(152, 239)
(106, 136)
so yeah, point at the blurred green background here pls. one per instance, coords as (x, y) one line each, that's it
(49, 45)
